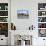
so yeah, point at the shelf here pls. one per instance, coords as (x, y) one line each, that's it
(4, 19)
(3, 10)
(41, 10)
(3, 22)
(42, 19)
(42, 16)
(41, 28)
(3, 16)
(41, 22)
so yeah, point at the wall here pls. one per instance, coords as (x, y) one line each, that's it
(23, 24)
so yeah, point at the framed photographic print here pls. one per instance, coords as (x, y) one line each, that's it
(22, 14)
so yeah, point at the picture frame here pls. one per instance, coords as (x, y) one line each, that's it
(22, 14)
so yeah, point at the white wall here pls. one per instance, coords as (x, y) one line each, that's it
(23, 24)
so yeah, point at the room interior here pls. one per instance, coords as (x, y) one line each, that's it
(22, 22)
